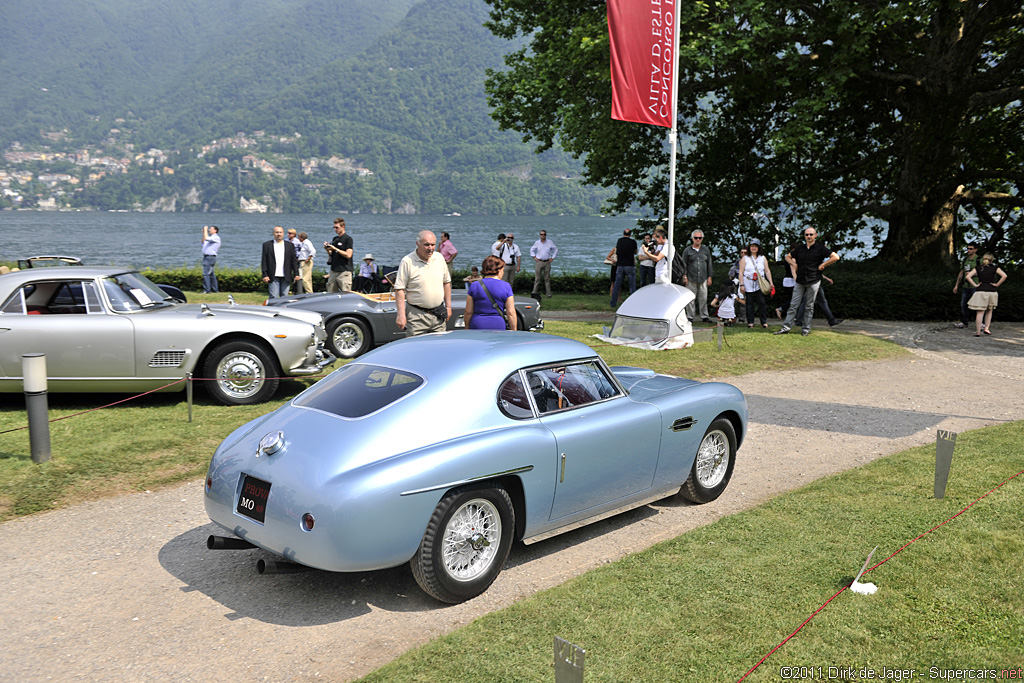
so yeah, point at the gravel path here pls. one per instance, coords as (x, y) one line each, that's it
(124, 589)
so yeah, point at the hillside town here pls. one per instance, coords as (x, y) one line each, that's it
(57, 176)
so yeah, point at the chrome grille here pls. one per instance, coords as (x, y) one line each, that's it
(167, 359)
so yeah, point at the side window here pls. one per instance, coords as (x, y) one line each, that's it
(92, 298)
(512, 398)
(566, 386)
(68, 299)
(16, 304)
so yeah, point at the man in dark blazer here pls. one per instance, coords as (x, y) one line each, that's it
(279, 266)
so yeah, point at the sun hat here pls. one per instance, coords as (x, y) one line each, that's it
(368, 257)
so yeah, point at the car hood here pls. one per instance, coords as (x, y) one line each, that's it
(263, 311)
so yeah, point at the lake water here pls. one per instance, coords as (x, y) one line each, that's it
(171, 240)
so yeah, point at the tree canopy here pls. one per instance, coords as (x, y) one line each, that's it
(840, 113)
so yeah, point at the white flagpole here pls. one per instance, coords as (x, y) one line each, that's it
(672, 140)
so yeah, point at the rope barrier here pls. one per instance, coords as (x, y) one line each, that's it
(879, 564)
(145, 393)
(123, 400)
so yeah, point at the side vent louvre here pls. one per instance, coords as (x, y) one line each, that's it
(167, 359)
(683, 423)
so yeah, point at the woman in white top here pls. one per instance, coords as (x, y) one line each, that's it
(754, 267)
(661, 257)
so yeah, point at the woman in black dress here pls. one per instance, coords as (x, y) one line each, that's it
(985, 298)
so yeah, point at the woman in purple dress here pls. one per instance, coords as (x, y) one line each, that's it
(480, 314)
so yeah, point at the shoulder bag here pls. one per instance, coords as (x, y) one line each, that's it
(504, 315)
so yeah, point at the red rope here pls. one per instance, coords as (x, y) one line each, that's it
(914, 540)
(123, 400)
(132, 398)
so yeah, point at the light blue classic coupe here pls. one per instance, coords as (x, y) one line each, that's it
(442, 450)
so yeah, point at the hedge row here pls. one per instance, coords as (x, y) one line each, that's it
(867, 290)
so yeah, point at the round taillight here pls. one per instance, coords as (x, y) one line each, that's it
(209, 483)
(308, 522)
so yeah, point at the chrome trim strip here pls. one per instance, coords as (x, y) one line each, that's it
(665, 493)
(462, 482)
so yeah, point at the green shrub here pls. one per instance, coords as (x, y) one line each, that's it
(862, 289)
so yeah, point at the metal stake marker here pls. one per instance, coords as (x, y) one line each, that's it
(864, 588)
(945, 442)
(720, 332)
(188, 393)
(568, 662)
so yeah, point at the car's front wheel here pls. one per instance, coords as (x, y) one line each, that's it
(712, 468)
(465, 545)
(240, 373)
(349, 337)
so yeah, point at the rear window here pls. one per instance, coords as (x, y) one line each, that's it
(358, 390)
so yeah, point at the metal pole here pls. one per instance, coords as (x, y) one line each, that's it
(33, 370)
(673, 140)
(188, 393)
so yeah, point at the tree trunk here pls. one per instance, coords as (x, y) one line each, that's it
(921, 227)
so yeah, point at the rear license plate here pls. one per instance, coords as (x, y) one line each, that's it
(252, 501)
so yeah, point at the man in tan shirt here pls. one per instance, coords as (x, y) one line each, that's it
(422, 287)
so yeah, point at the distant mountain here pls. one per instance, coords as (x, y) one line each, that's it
(396, 86)
(64, 63)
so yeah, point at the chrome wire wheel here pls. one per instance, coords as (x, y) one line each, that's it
(471, 540)
(712, 459)
(348, 338)
(241, 375)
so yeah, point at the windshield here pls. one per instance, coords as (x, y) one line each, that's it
(132, 292)
(357, 390)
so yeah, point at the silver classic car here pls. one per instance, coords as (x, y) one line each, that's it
(540, 437)
(108, 329)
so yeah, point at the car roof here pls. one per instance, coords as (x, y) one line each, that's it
(488, 354)
(19, 277)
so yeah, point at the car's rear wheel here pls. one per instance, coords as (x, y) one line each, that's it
(712, 468)
(465, 545)
(240, 373)
(349, 337)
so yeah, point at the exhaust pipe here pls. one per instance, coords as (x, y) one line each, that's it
(227, 543)
(280, 567)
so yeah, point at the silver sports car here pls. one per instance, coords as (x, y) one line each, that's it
(111, 329)
(538, 437)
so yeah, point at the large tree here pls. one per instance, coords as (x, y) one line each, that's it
(842, 113)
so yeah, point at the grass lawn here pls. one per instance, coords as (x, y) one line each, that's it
(708, 605)
(148, 442)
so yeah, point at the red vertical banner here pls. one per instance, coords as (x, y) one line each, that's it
(642, 36)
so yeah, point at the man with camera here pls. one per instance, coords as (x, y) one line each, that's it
(510, 254)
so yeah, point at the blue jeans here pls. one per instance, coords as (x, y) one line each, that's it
(278, 286)
(965, 313)
(822, 304)
(806, 294)
(621, 273)
(209, 273)
(646, 276)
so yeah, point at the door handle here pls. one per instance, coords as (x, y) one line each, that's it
(561, 478)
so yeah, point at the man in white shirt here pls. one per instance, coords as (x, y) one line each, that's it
(278, 264)
(543, 252)
(510, 254)
(305, 255)
(423, 289)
